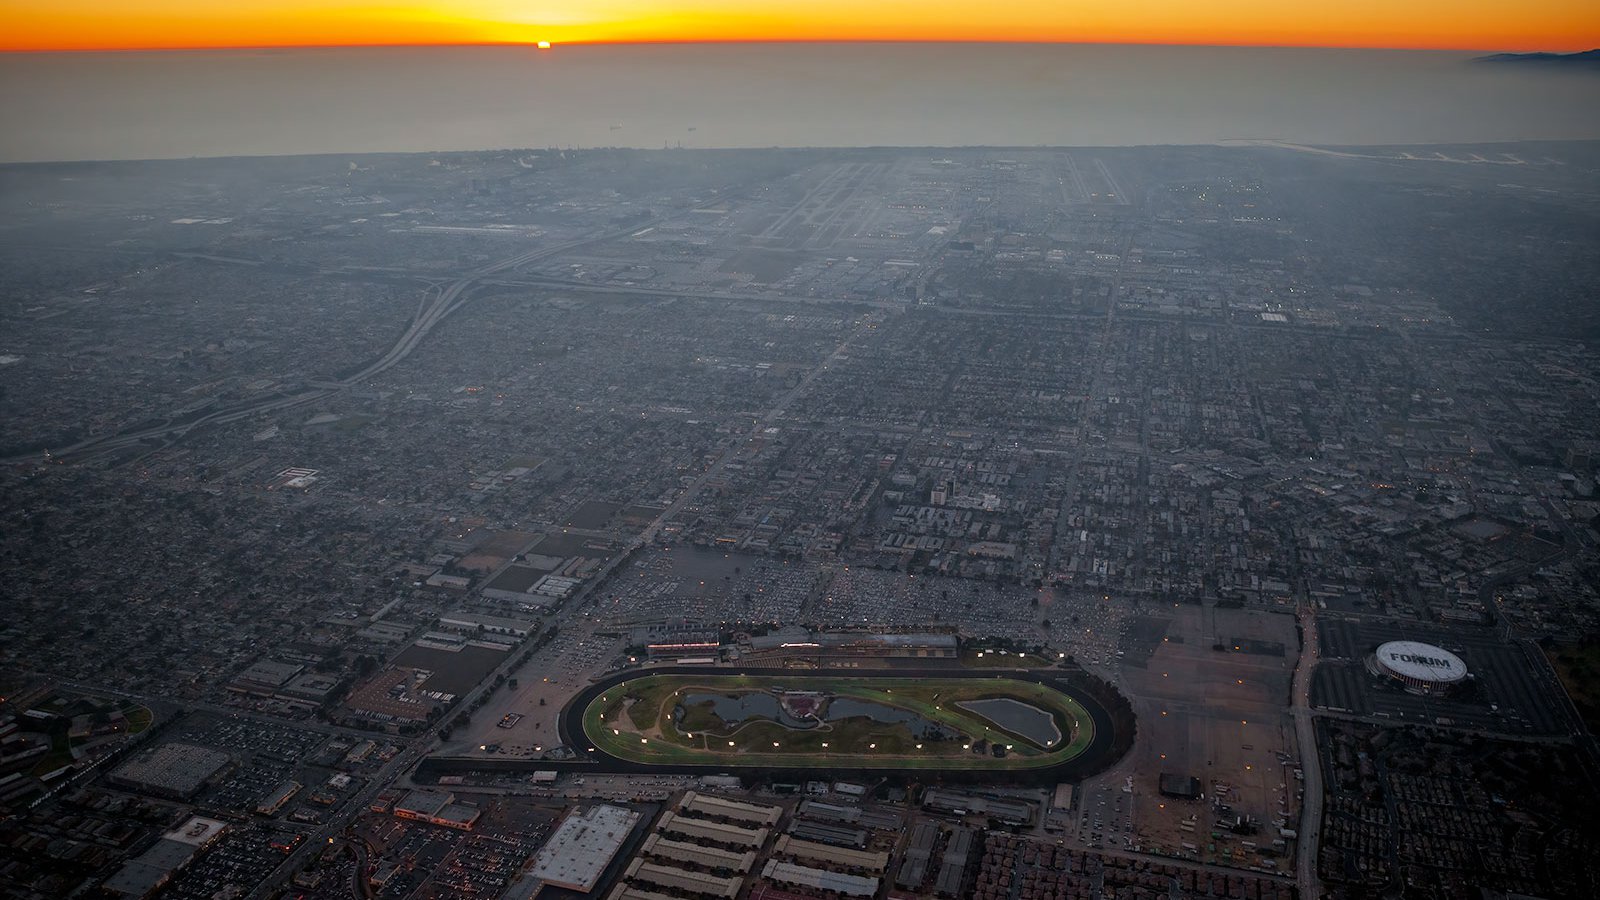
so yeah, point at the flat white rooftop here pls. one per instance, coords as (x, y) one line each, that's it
(583, 845)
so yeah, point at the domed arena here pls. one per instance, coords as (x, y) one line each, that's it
(1421, 668)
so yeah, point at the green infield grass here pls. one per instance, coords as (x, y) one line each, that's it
(868, 721)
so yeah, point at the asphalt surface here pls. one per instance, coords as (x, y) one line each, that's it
(1310, 761)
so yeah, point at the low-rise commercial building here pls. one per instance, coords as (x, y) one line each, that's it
(582, 846)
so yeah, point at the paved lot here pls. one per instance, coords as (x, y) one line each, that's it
(1506, 692)
(1214, 715)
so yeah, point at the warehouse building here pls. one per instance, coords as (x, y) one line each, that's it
(829, 812)
(701, 884)
(919, 852)
(659, 847)
(470, 622)
(581, 848)
(953, 865)
(829, 834)
(1011, 812)
(629, 892)
(716, 807)
(820, 879)
(715, 832)
(869, 861)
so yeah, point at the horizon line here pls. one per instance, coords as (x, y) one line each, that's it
(1220, 143)
(533, 45)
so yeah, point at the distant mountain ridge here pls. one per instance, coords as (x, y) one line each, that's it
(1583, 59)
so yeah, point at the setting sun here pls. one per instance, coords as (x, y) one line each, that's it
(1473, 24)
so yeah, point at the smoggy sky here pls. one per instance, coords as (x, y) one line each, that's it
(1444, 24)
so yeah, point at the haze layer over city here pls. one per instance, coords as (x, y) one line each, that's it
(385, 99)
(1201, 508)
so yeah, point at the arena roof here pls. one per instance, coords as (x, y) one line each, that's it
(1421, 662)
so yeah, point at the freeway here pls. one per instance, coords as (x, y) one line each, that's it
(1310, 758)
(215, 709)
(430, 313)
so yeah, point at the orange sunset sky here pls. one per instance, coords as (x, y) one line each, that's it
(1444, 24)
